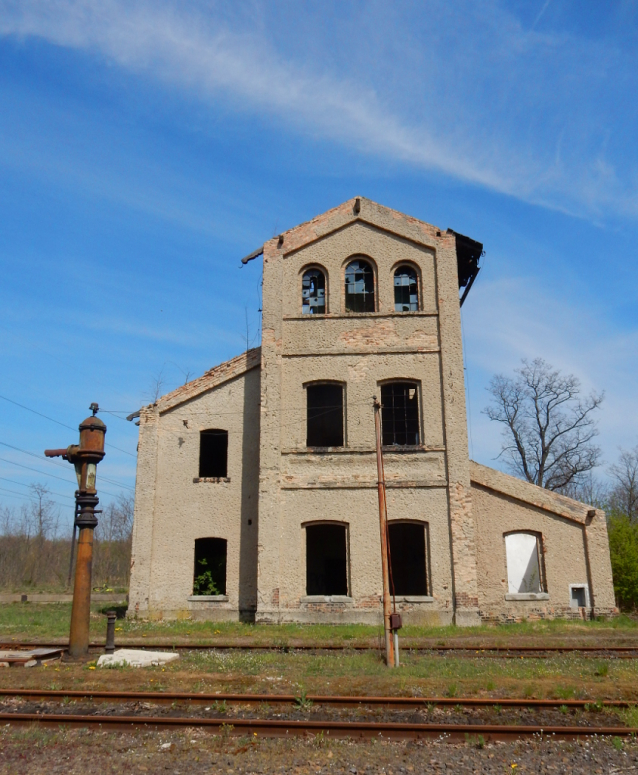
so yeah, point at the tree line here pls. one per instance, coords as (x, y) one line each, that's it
(35, 549)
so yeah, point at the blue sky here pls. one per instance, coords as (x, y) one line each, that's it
(145, 147)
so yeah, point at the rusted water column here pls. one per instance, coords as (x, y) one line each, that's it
(85, 458)
(387, 606)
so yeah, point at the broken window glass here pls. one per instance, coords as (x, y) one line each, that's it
(407, 558)
(213, 453)
(359, 287)
(313, 292)
(325, 415)
(326, 560)
(210, 566)
(400, 414)
(406, 290)
(522, 551)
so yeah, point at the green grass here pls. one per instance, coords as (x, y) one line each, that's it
(40, 622)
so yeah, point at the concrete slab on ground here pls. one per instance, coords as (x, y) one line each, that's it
(136, 658)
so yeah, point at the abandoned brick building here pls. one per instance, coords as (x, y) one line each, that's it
(256, 494)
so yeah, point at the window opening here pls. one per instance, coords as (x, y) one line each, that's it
(359, 287)
(400, 414)
(578, 597)
(213, 453)
(407, 554)
(210, 566)
(326, 560)
(313, 292)
(325, 415)
(523, 566)
(406, 290)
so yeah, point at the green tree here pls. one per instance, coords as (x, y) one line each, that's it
(623, 547)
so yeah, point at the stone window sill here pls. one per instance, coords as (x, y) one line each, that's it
(414, 599)
(527, 596)
(212, 479)
(208, 599)
(327, 599)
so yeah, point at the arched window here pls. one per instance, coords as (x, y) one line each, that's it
(523, 552)
(209, 577)
(326, 559)
(359, 287)
(400, 414)
(324, 427)
(406, 290)
(313, 292)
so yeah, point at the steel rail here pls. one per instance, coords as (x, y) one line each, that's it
(469, 650)
(317, 699)
(284, 728)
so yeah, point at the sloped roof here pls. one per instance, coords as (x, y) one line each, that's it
(544, 499)
(362, 210)
(226, 371)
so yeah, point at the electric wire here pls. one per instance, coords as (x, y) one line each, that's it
(22, 484)
(64, 425)
(53, 476)
(61, 465)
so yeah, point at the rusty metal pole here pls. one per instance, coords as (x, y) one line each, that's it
(85, 458)
(387, 607)
(81, 611)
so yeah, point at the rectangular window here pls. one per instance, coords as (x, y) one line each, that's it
(400, 414)
(523, 563)
(213, 454)
(325, 415)
(407, 558)
(326, 560)
(210, 566)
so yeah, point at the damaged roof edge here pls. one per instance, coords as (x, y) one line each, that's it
(468, 253)
(252, 255)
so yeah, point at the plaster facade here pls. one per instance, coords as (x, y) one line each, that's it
(277, 486)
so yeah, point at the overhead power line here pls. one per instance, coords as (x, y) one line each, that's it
(61, 465)
(57, 422)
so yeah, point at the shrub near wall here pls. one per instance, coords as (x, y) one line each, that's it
(623, 546)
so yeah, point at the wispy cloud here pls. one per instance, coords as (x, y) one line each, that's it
(467, 93)
(517, 318)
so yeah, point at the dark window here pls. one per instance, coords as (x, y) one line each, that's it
(406, 290)
(400, 414)
(407, 553)
(210, 566)
(313, 292)
(325, 415)
(326, 560)
(359, 287)
(213, 453)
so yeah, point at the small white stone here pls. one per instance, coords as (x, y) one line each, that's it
(137, 658)
(31, 663)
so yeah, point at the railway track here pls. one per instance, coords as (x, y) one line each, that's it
(277, 727)
(341, 701)
(504, 652)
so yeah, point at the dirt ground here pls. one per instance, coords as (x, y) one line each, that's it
(79, 752)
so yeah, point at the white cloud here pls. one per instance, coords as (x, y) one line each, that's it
(466, 92)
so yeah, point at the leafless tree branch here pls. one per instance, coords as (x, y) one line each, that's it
(549, 427)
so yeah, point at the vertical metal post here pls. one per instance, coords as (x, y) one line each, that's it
(75, 528)
(109, 647)
(389, 645)
(81, 610)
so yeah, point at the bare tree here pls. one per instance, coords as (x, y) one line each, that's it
(549, 427)
(624, 495)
